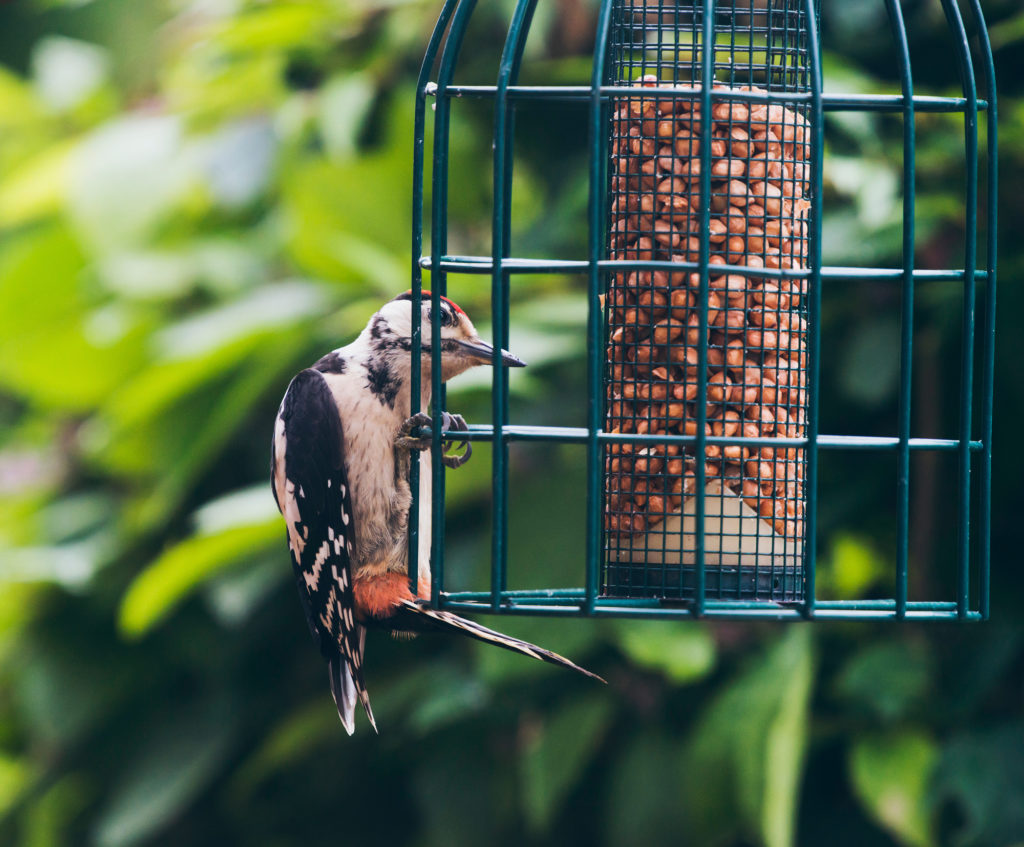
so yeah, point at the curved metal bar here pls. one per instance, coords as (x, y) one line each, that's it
(438, 282)
(814, 311)
(508, 67)
(906, 308)
(598, 183)
(419, 124)
(988, 374)
(966, 68)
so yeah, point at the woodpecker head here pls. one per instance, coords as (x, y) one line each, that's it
(461, 346)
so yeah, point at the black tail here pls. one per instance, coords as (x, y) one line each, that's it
(347, 686)
(414, 617)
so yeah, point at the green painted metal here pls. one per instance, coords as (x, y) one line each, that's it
(817, 117)
(426, 68)
(973, 449)
(504, 119)
(988, 372)
(438, 244)
(966, 68)
(596, 216)
(906, 308)
(707, 78)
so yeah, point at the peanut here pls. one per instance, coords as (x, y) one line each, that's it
(756, 336)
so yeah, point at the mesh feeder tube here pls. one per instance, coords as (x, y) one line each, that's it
(754, 347)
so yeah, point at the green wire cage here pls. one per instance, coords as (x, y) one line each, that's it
(705, 123)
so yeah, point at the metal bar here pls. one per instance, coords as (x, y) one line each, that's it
(508, 67)
(419, 133)
(574, 598)
(830, 102)
(484, 265)
(966, 69)
(438, 246)
(814, 312)
(579, 435)
(598, 139)
(988, 373)
(707, 76)
(906, 311)
(714, 610)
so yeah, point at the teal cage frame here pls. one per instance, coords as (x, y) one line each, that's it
(972, 446)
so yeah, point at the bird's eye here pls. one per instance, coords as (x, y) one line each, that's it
(447, 318)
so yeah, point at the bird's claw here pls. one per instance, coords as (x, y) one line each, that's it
(405, 437)
(455, 423)
(449, 423)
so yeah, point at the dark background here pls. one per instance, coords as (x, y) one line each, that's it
(199, 198)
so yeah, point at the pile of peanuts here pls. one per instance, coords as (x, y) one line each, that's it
(756, 342)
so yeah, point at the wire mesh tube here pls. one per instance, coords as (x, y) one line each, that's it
(754, 347)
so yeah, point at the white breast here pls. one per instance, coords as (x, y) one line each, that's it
(381, 496)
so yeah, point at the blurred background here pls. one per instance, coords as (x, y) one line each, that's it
(199, 198)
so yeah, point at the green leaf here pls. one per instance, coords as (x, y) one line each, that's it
(49, 818)
(851, 567)
(298, 735)
(889, 678)
(128, 177)
(266, 308)
(345, 103)
(557, 751)
(870, 366)
(67, 71)
(452, 694)
(891, 775)
(294, 24)
(37, 187)
(170, 769)
(746, 753)
(683, 652)
(20, 109)
(646, 803)
(982, 772)
(161, 586)
(15, 778)
(48, 326)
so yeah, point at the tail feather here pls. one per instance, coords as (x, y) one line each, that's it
(347, 686)
(426, 618)
(343, 690)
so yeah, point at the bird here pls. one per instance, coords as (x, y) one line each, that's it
(341, 451)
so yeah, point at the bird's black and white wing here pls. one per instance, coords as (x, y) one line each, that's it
(309, 483)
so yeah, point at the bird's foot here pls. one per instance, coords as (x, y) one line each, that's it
(450, 455)
(407, 440)
(449, 423)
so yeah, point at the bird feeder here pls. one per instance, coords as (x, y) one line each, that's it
(704, 276)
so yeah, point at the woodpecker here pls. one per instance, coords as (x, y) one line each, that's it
(340, 458)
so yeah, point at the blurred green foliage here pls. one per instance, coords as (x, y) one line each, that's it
(199, 198)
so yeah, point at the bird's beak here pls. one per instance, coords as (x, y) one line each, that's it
(485, 353)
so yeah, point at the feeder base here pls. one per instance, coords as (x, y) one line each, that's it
(744, 558)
